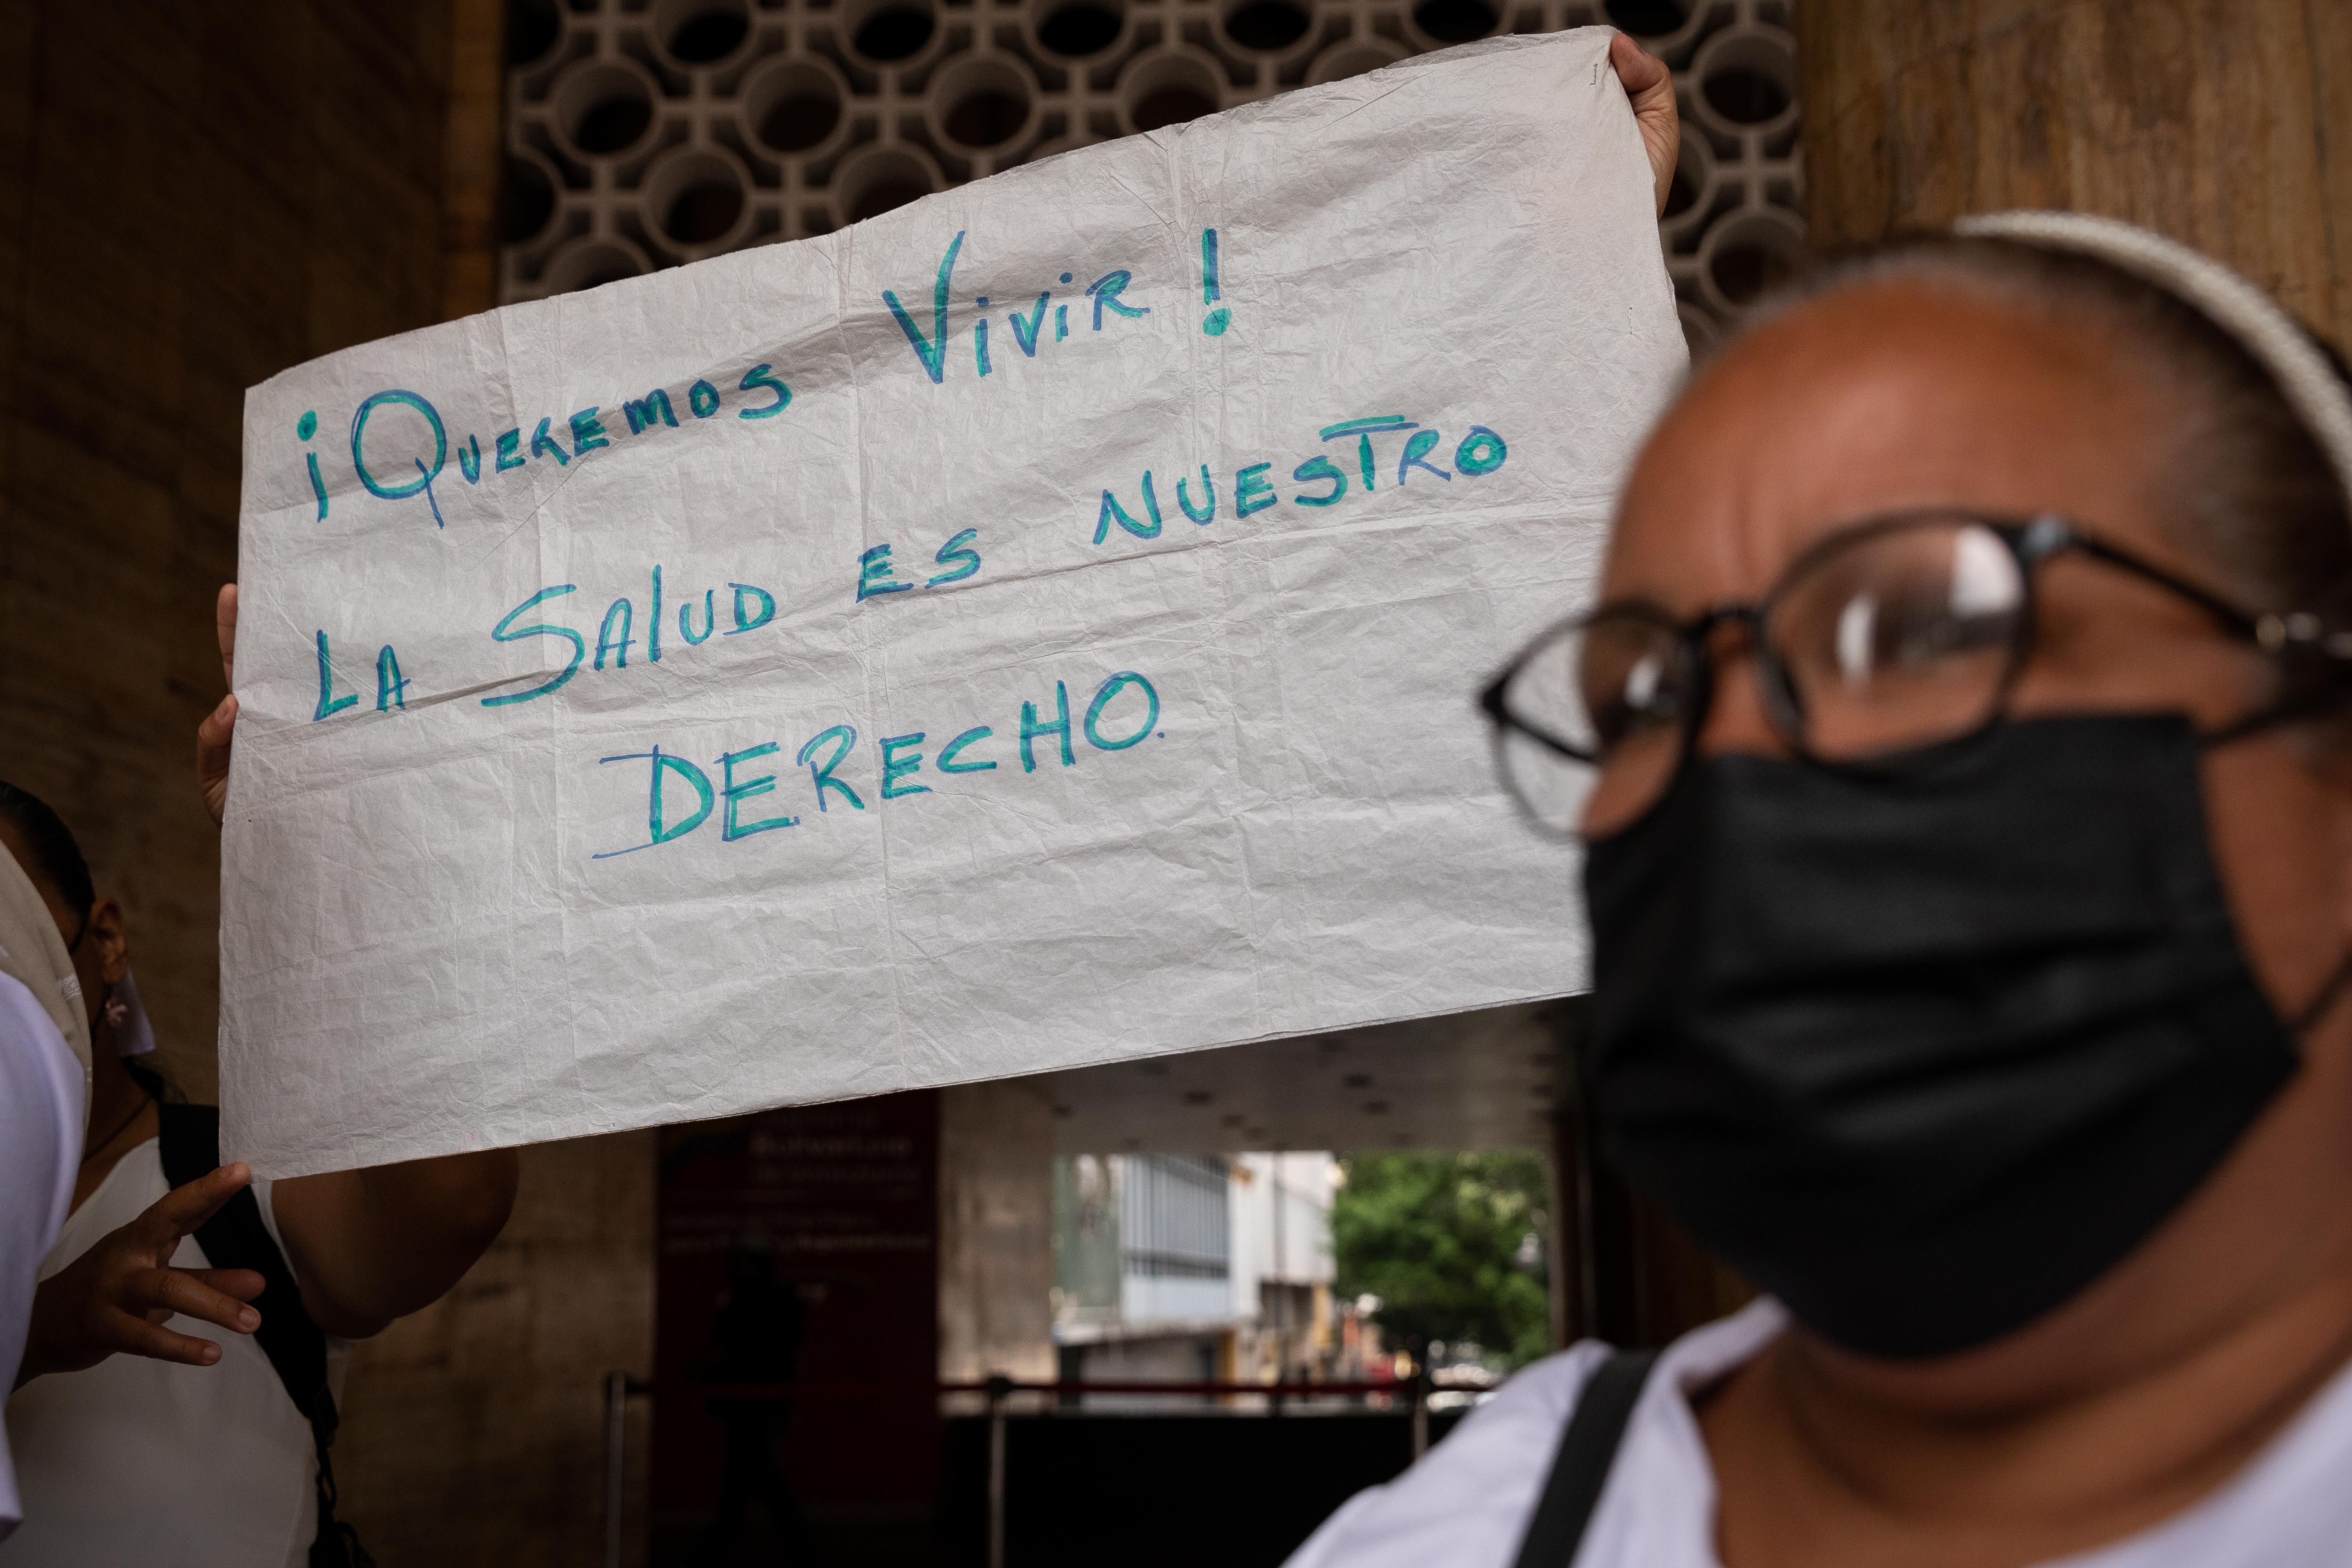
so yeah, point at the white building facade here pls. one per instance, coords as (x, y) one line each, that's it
(1197, 1269)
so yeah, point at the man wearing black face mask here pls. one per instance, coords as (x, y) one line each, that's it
(1959, 749)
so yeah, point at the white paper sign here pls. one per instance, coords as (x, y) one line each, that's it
(1034, 627)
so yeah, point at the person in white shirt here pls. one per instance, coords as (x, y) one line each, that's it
(221, 1461)
(113, 1300)
(40, 1124)
(1960, 748)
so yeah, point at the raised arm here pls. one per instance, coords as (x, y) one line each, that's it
(373, 1245)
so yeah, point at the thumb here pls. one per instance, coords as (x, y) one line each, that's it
(1636, 68)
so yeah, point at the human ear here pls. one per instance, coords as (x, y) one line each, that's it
(109, 937)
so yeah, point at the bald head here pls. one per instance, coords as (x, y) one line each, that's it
(2042, 349)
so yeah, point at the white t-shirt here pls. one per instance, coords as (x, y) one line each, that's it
(142, 1461)
(1467, 1503)
(40, 1140)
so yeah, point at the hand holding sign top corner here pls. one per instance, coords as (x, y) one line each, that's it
(1650, 86)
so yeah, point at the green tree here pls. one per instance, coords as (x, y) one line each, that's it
(1452, 1244)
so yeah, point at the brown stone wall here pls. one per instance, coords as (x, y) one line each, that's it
(474, 1431)
(193, 197)
(2225, 123)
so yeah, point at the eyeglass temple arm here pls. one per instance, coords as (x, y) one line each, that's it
(2237, 620)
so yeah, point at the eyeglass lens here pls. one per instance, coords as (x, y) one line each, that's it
(1894, 637)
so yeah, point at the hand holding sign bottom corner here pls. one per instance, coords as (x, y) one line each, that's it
(217, 729)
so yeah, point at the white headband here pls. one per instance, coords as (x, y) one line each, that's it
(2276, 340)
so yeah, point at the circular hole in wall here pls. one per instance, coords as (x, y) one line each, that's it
(1690, 179)
(1680, 193)
(1167, 89)
(1353, 57)
(697, 32)
(883, 179)
(703, 213)
(1699, 331)
(800, 122)
(1456, 21)
(590, 263)
(888, 195)
(526, 200)
(1266, 26)
(1689, 192)
(1647, 18)
(791, 105)
(1078, 29)
(603, 109)
(1172, 105)
(987, 119)
(1743, 272)
(988, 103)
(1746, 97)
(532, 28)
(1748, 78)
(892, 30)
(696, 198)
(1751, 254)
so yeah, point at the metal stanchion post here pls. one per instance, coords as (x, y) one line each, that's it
(999, 1388)
(617, 1457)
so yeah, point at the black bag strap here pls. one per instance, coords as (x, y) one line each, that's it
(1587, 1448)
(188, 1139)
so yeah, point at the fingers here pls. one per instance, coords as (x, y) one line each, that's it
(218, 727)
(1637, 68)
(214, 735)
(182, 1290)
(1650, 88)
(242, 1283)
(224, 628)
(136, 1336)
(185, 1208)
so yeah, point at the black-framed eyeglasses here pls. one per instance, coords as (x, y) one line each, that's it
(1899, 633)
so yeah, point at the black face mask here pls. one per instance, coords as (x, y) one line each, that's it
(1925, 1053)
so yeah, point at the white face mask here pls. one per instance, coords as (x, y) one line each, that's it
(34, 954)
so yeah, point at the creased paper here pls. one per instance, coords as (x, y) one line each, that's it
(1034, 627)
